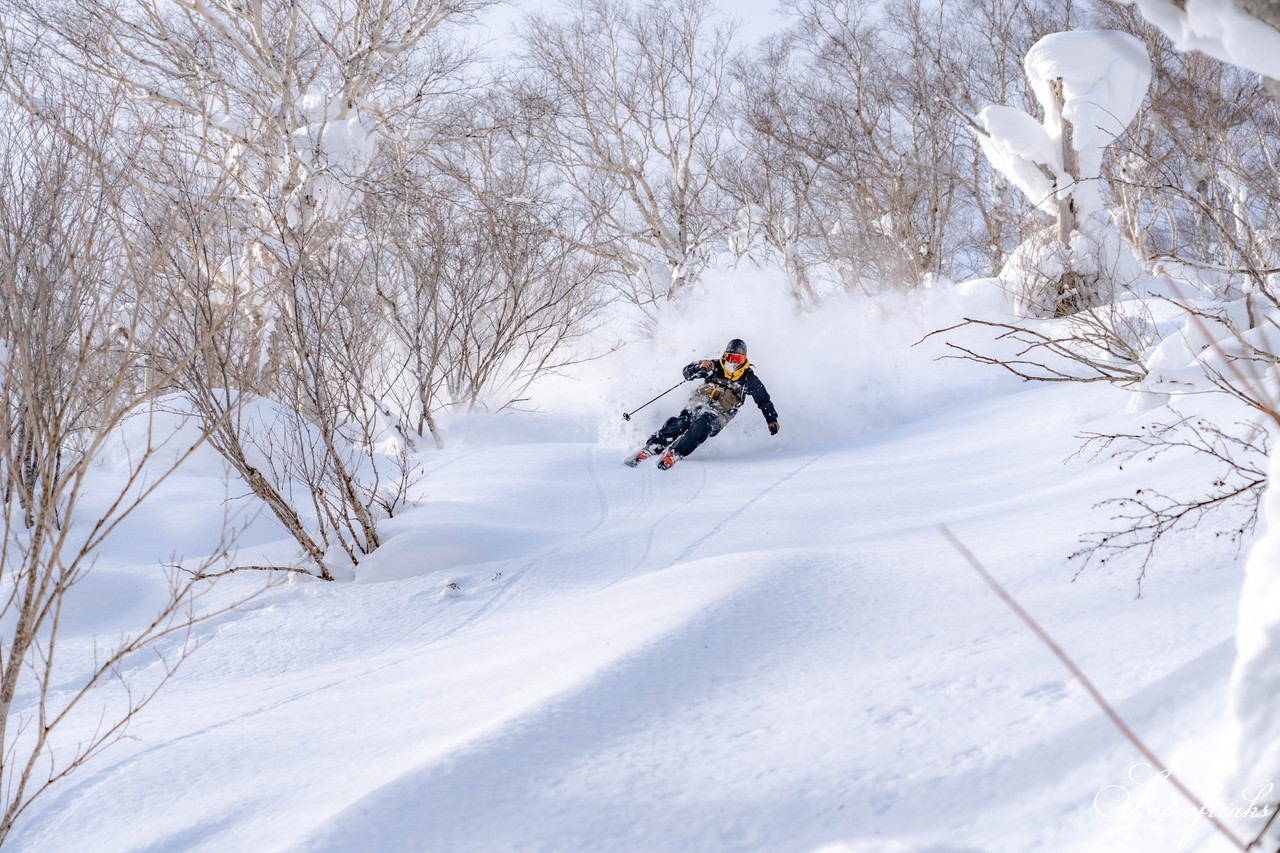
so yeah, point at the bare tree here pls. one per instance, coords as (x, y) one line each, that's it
(482, 294)
(1146, 517)
(855, 162)
(212, 349)
(819, 96)
(634, 99)
(76, 345)
(290, 98)
(282, 109)
(309, 446)
(1099, 344)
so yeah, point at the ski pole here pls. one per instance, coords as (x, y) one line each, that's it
(626, 416)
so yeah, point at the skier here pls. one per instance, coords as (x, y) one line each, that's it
(728, 382)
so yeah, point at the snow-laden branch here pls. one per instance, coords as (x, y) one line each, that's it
(1090, 84)
(1220, 29)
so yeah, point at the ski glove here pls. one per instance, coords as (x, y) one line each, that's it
(773, 428)
(699, 370)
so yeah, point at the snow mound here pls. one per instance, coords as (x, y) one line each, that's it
(165, 436)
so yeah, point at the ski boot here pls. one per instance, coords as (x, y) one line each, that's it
(648, 451)
(668, 459)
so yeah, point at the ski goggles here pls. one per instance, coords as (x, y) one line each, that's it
(735, 359)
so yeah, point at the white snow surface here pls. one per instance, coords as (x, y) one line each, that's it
(770, 647)
(1256, 679)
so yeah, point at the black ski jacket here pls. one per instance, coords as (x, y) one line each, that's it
(724, 395)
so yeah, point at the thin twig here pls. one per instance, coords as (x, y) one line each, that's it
(1089, 687)
(203, 575)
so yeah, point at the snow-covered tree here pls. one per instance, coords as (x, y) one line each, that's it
(1193, 184)
(1247, 35)
(1090, 85)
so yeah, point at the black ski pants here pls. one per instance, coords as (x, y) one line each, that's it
(685, 431)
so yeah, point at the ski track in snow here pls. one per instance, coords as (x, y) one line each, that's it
(730, 519)
(656, 528)
(669, 666)
(538, 565)
(530, 570)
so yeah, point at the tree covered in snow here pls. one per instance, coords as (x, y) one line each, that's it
(1090, 85)
(1193, 182)
(1247, 35)
(1188, 184)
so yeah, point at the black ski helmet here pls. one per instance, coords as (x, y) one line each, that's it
(736, 346)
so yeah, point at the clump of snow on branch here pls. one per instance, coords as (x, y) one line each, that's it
(1104, 76)
(335, 148)
(1020, 148)
(326, 155)
(321, 173)
(1220, 29)
(1091, 85)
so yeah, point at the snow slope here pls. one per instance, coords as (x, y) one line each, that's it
(768, 648)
